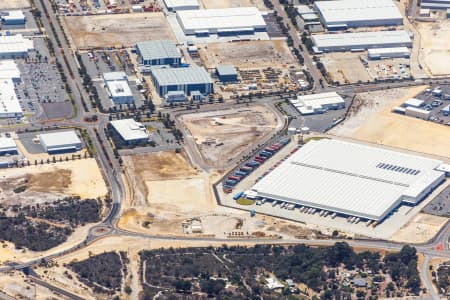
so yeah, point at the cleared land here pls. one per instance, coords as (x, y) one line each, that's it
(207, 4)
(50, 182)
(117, 30)
(345, 67)
(14, 4)
(222, 136)
(371, 120)
(420, 229)
(435, 46)
(247, 54)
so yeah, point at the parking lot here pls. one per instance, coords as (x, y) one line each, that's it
(437, 103)
(440, 205)
(41, 83)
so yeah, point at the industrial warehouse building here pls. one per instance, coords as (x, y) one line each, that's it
(161, 52)
(9, 76)
(130, 131)
(119, 90)
(226, 21)
(227, 73)
(342, 14)
(15, 46)
(8, 146)
(383, 53)
(435, 4)
(361, 40)
(188, 79)
(177, 5)
(60, 141)
(351, 179)
(318, 103)
(13, 17)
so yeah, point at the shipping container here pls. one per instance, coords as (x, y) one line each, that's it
(233, 177)
(231, 182)
(241, 174)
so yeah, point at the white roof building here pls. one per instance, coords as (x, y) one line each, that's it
(113, 76)
(177, 5)
(9, 104)
(361, 40)
(12, 46)
(130, 130)
(13, 17)
(318, 103)
(60, 141)
(120, 91)
(7, 145)
(414, 102)
(351, 179)
(393, 52)
(225, 20)
(357, 13)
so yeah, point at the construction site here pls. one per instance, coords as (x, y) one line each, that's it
(226, 135)
(120, 30)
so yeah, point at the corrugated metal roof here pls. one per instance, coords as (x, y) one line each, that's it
(346, 11)
(181, 76)
(158, 49)
(225, 18)
(360, 39)
(226, 70)
(60, 138)
(15, 44)
(349, 178)
(130, 130)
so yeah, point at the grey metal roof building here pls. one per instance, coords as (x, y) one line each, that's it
(361, 40)
(351, 179)
(357, 13)
(187, 79)
(176, 5)
(60, 141)
(161, 52)
(226, 73)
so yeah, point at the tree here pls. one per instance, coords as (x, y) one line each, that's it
(183, 285)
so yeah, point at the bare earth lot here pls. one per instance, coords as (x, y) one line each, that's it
(52, 181)
(117, 30)
(223, 135)
(14, 4)
(247, 54)
(345, 67)
(420, 229)
(435, 46)
(207, 4)
(371, 120)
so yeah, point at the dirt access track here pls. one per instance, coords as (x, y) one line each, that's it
(372, 120)
(50, 182)
(117, 30)
(435, 46)
(247, 54)
(224, 135)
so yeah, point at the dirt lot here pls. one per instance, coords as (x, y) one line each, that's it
(435, 46)
(14, 4)
(221, 136)
(420, 229)
(247, 54)
(117, 30)
(371, 120)
(50, 182)
(233, 3)
(345, 67)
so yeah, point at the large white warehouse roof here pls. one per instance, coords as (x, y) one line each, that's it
(357, 13)
(15, 44)
(216, 20)
(361, 40)
(181, 76)
(60, 140)
(351, 179)
(314, 103)
(130, 130)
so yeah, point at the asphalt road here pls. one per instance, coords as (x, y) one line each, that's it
(116, 185)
